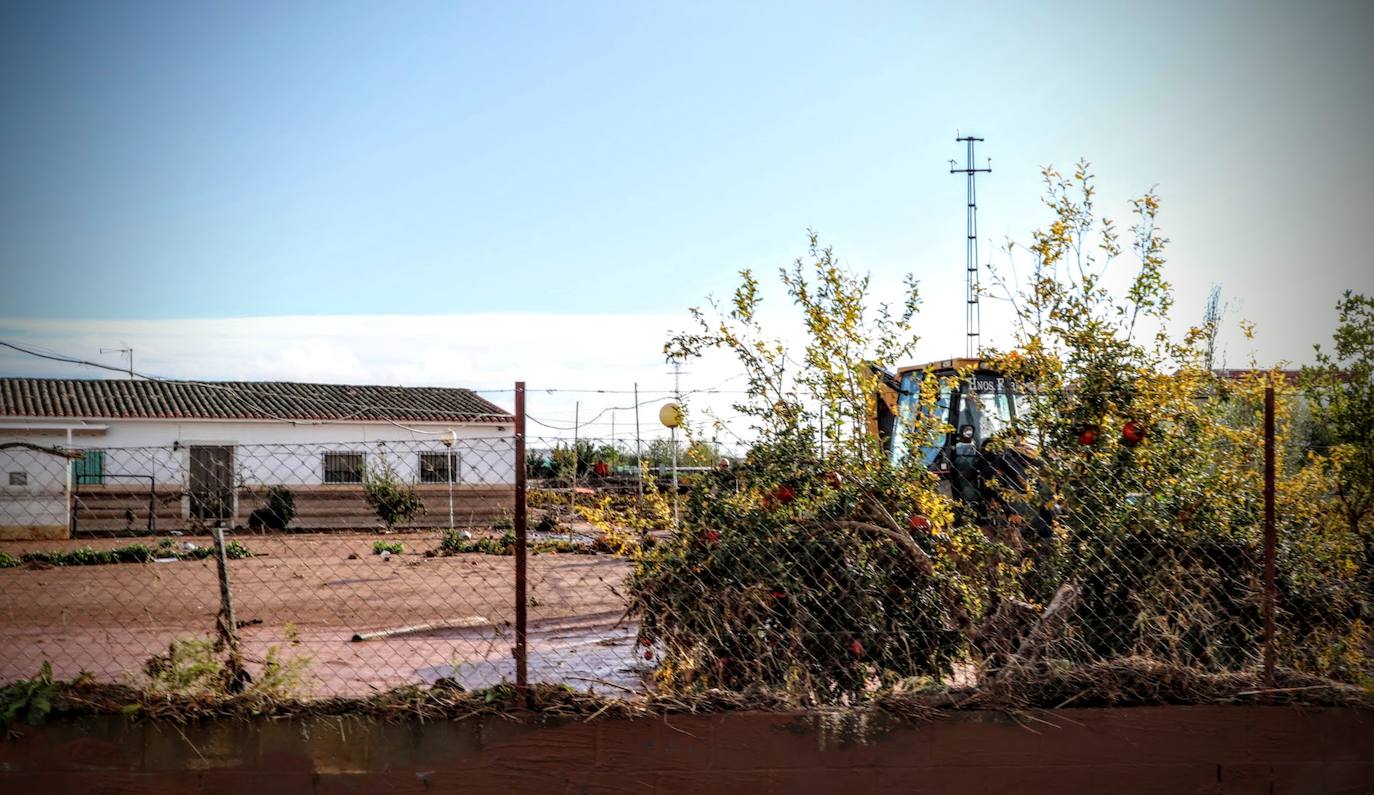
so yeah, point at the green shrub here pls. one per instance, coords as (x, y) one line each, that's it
(279, 511)
(232, 550)
(393, 547)
(392, 499)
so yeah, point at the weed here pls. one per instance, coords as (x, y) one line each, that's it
(282, 678)
(31, 698)
(191, 666)
(194, 667)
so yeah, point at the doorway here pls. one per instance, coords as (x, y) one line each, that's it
(212, 482)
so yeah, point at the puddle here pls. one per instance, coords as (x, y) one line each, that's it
(588, 652)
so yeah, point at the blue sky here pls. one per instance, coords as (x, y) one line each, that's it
(187, 160)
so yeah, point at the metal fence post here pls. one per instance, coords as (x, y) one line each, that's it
(1270, 540)
(521, 602)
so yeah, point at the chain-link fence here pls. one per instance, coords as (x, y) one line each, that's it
(344, 560)
(349, 568)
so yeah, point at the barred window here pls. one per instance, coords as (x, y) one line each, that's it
(343, 467)
(19, 478)
(437, 467)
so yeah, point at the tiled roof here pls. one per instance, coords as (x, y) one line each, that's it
(240, 400)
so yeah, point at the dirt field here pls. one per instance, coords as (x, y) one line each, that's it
(323, 589)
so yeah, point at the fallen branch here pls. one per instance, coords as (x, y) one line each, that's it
(918, 556)
(1285, 690)
(37, 448)
(413, 629)
(1041, 634)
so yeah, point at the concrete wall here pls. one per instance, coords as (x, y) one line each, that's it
(1219, 750)
(37, 508)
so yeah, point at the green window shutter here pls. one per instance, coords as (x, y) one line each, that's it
(89, 470)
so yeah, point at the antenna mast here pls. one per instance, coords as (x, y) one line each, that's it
(129, 350)
(973, 312)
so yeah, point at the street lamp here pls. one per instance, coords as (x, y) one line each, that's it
(450, 436)
(671, 417)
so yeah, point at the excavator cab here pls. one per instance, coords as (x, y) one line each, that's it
(977, 404)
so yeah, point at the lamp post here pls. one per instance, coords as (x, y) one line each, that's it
(450, 436)
(671, 417)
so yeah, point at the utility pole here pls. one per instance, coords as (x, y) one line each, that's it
(577, 413)
(639, 456)
(973, 313)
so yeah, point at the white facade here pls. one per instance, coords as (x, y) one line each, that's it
(265, 453)
(140, 455)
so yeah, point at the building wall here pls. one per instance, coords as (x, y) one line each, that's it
(265, 454)
(269, 453)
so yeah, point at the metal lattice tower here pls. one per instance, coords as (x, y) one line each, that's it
(973, 312)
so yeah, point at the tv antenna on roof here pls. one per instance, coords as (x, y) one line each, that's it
(973, 313)
(129, 351)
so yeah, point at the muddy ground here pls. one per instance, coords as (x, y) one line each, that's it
(321, 590)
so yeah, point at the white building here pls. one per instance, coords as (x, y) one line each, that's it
(200, 452)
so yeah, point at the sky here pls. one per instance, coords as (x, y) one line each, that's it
(470, 193)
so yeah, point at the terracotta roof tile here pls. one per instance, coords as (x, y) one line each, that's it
(241, 400)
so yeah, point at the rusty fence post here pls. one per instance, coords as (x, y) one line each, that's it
(521, 601)
(1270, 539)
(226, 622)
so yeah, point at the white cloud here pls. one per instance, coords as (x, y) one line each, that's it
(574, 355)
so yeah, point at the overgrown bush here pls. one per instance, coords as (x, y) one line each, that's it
(1131, 526)
(1154, 464)
(277, 513)
(817, 566)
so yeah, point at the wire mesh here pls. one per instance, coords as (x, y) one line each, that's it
(355, 567)
(344, 563)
